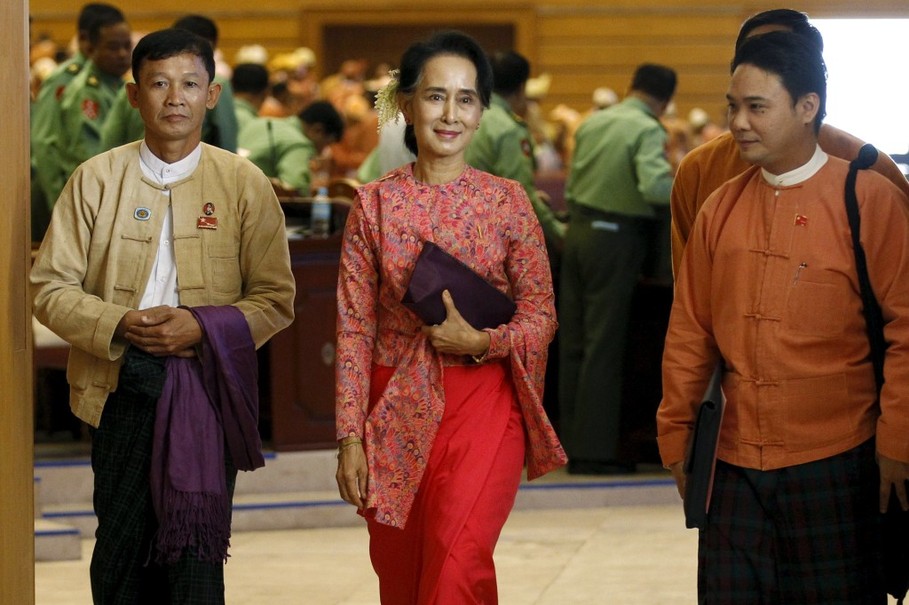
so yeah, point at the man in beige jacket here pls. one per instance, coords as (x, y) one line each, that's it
(141, 236)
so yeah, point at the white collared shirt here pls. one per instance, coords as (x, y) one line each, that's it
(800, 174)
(161, 288)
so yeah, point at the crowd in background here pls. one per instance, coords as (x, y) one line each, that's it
(303, 130)
(291, 85)
(626, 160)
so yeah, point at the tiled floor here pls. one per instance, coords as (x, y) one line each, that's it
(616, 555)
(622, 555)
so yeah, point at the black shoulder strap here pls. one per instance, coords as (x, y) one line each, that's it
(874, 320)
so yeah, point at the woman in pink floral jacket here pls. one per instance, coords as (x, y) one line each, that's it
(434, 423)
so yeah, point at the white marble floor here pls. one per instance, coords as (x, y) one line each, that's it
(623, 555)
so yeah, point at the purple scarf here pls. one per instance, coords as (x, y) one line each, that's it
(206, 402)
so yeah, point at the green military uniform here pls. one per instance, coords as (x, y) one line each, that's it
(53, 86)
(619, 177)
(280, 149)
(124, 124)
(220, 126)
(245, 112)
(502, 146)
(44, 111)
(64, 139)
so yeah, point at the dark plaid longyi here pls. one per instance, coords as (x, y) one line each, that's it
(803, 534)
(121, 568)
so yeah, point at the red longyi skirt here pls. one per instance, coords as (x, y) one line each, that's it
(443, 556)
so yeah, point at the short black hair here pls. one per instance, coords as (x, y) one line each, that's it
(250, 78)
(510, 72)
(102, 17)
(792, 20)
(199, 25)
(166, 43)
(799, 65)
(657, 81)
(94, 10)
(324, 113)
(451, 42)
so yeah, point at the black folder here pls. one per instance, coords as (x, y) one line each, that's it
(480, 303)
(700, 461)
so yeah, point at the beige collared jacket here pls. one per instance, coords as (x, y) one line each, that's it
(230, 248)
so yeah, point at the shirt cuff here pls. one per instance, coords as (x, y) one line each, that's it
(499, 345)
(673, 446)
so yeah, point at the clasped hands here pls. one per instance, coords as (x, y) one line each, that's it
(161, 331)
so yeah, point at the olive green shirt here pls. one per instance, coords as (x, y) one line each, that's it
(244, 112)
(280, 149)
(44, 111)
(65, 138)
(46, 107)
(619, 164)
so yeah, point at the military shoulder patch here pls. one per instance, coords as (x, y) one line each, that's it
(91, 109)
(526, 147)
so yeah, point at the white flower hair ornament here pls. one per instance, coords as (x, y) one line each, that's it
(386, 100)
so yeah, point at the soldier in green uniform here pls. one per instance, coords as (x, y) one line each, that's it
(283, 147)
(64, 139)
(503, 145)
(90, 95)
(619, 179)
(250, 84)
(124, 124)
(46, 106)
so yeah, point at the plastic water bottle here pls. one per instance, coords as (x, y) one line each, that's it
(320, 223)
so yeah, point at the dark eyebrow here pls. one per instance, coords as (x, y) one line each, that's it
(750, 99)
(469, 91)
(163, 74)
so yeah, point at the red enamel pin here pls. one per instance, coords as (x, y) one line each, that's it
(207, 222)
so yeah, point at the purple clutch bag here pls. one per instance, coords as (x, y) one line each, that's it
(480, 303)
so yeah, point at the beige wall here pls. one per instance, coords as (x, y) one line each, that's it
(583, 45)
(16, 432)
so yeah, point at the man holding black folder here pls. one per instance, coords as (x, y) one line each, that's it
(768, 285)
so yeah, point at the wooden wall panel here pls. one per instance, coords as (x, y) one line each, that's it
(581, 44)
(625, 54)
(17, 543)
(598, 25)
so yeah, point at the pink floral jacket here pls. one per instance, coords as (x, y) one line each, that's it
(486, 222)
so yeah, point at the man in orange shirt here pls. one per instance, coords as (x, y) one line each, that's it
(715, 162)
(768, 285)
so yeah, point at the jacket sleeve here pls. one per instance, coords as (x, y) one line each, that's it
(60, 300)
(885, 238)
(527, 266)
(268, 282)
(654, 173)
(690, 352)
(683, 206)
(358, 292)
